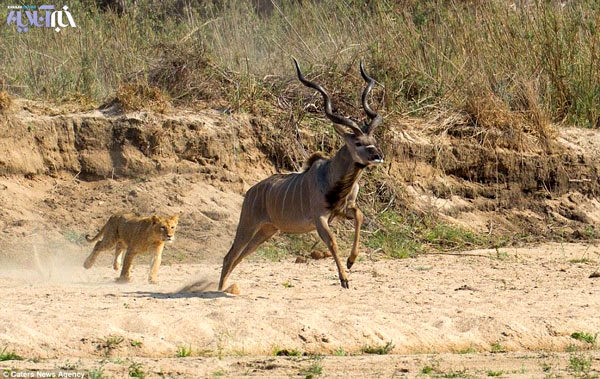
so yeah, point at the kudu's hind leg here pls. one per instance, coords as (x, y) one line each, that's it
(261, 236)
(242, 237)
(327, 236)
(355, 213)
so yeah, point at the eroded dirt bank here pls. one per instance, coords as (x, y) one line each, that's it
(522, 300)
(64, 172)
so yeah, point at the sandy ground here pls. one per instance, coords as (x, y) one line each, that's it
(474, 313)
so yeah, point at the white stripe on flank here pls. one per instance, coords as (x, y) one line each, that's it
(295, 187)
(301, 195)
(253, 200)
(287, 188)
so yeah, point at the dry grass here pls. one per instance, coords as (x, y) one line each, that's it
(137, 96)
(431, 56)
(494, 123)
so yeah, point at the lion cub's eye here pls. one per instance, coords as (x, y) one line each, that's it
(162, 228)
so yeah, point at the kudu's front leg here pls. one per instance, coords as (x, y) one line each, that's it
(355, 213)
(327, 236)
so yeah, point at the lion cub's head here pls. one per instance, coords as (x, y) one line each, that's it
(165, 227)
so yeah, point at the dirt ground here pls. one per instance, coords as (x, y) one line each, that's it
(485, 312)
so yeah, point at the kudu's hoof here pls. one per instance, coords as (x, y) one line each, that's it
(345, 283)
(349, 264)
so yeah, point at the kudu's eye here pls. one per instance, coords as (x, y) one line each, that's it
(358, 144)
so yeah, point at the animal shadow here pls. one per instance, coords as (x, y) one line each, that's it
(200, 289)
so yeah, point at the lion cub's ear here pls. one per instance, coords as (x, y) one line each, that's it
(174, 218)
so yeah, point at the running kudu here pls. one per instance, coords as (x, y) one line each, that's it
(305, 201)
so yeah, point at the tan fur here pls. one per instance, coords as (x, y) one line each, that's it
(134, 235)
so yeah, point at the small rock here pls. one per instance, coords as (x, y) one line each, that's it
(300, 260)
(320, 254)
(316, 255)
(595, 274)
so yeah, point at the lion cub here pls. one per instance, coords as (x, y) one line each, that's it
(136, 235)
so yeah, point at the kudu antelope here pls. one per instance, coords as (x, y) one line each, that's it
(309, 200)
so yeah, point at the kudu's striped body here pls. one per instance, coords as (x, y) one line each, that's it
(309, 200)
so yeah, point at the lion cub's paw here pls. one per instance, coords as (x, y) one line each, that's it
(122, 280)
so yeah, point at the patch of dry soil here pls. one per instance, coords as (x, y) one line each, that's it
(525, 301)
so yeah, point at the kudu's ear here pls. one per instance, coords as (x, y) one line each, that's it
(339, 130)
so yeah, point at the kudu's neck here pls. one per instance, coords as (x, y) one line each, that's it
(342, 173)
(343, 166)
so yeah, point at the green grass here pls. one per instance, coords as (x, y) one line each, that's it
(9, 356)
(136, 343)
(449, 237)
(427, 370)
(468, 350)
(584, 337)
(494, 373)
(340, 352)
(497, 348)
(315, 369)
(96, 373)
(183, 352)
(572, 348)
(396, 236)
(110, 343)
(136, 370)
(546, 367)
(218, 373)
(582, 260)
(454, 374)
(579, 364)
(282, 246)
(278, 352)
(380, 350)
(403, 236)
(272, 253)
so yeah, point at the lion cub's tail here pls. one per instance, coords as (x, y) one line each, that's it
(100, 233)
